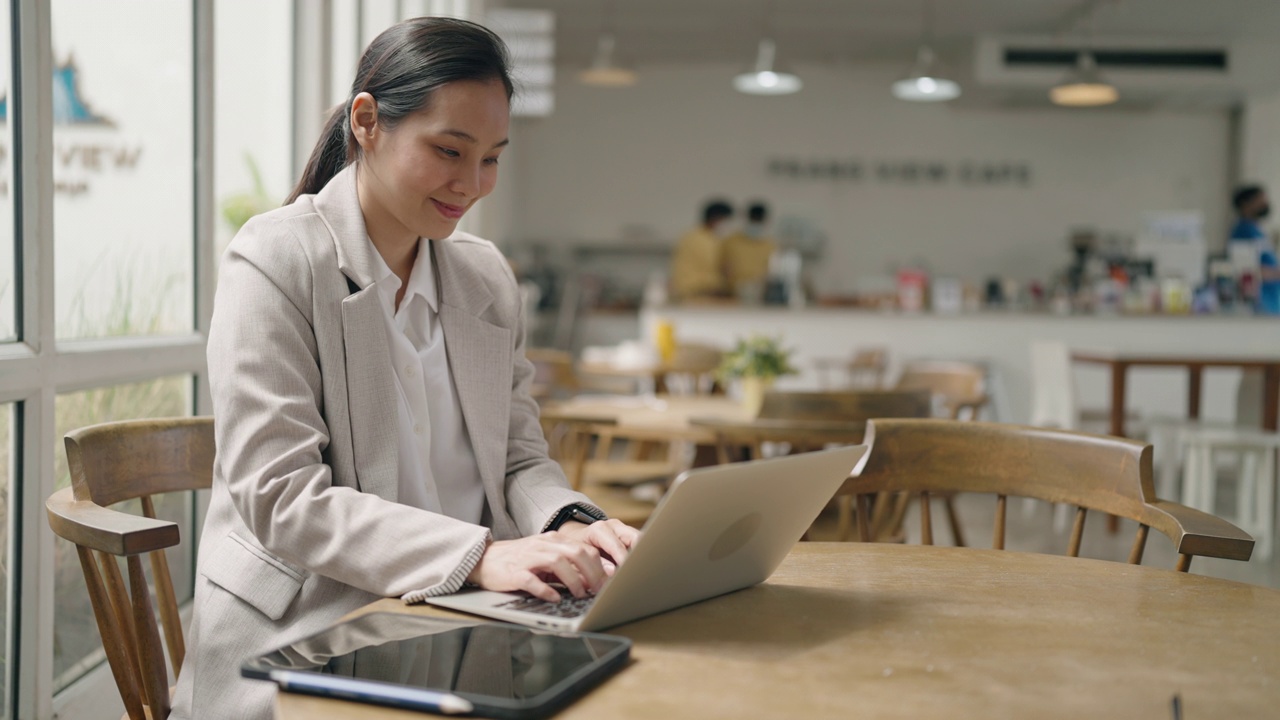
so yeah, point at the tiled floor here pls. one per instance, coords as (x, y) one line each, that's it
(1031, 529)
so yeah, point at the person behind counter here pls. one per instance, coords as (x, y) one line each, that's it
(1252, 206)
(747, 253)
(697, 267)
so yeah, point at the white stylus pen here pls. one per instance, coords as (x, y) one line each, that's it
(345, 688)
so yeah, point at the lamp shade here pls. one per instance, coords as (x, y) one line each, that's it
(764, 80)
(1084, 86)
(603, 72)
(924, 83)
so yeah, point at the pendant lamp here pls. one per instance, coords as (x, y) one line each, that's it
(764, 80)
(603, 72)
(1084, 85)
(924, 83)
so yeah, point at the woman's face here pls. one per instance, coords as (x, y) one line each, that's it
(421, 176)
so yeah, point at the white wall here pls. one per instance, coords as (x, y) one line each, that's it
(653, 153)
(1260, 141)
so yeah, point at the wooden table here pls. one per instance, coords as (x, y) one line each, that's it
(847, 630)
(1119, 363)
(665, 417)
(801, 434)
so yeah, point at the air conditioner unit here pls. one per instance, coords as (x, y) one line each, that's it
(1158, 65)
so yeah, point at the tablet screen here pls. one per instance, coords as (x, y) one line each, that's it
(493, 665)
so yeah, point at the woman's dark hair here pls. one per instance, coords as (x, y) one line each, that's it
(400, 69)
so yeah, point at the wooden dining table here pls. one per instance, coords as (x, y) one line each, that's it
(1119, 364)
(893, 631)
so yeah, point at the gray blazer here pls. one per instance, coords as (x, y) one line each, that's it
(303, 523)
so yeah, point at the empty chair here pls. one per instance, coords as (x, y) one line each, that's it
(1254, 453)
(864, 371)
(1091, 472)
(109, 464)
(1053, 394)
(958, 386)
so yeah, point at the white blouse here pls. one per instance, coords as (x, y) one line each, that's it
(438, 470)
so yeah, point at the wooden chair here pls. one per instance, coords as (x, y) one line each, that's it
(692, 369)
(810, 420)
(112, 463)
(864, 371)
(959, 385)
(1092, 472)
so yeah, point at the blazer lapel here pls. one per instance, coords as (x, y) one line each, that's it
(371, 395)
(480, 360)
(371, 392)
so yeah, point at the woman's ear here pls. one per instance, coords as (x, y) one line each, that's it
(364, 120)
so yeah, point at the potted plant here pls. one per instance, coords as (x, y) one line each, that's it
(756, 362)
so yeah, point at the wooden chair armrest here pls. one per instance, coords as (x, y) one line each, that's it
(1199, 533)
(85, 523)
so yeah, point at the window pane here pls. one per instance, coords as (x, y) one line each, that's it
(6, 475)
(123, 167)
(8, 248)
(251, 165)
(76, 644)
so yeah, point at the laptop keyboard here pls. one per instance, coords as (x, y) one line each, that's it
(568, 607)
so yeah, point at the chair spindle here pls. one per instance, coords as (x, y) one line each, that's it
(170, 621)
(1139, 545)
(122, 610)
(1077, 532)
(926, 521)
(997, 538)
(155, 679)
(1184, 562)
(123, 668)
(864, 519)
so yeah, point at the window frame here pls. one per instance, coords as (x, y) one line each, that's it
(38, 367)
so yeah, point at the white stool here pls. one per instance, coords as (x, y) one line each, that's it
(1255, 486)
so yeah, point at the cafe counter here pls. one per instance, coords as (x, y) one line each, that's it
(1001, 342)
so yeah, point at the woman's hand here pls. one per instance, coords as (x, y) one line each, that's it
(613, 538)
(529, 563)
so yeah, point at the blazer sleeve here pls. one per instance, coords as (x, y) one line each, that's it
(268, 393)
(536, 487)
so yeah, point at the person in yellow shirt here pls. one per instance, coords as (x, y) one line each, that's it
(747, 253)
(697, 267)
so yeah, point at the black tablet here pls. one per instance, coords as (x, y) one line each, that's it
(445, 666)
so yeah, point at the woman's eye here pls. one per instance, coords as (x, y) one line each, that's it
(449, 153)
(491, 161)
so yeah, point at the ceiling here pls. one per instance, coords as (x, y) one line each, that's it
(839, 31)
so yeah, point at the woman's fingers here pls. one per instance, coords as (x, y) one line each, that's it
(529, 563)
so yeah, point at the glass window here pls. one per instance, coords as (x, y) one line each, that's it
(123, 167)
(76, 644)
(8, 248)
(6, 499)
(251, 167)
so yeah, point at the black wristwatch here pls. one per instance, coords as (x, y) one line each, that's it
(576, 513)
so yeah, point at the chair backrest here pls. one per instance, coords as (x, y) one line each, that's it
(1053, 402)
(846, 405)
(553, 373)
(111, 463)
(695, 364)
(866, 369)
(1092, 472)
(959, 384)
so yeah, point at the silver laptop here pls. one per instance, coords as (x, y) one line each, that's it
(717, 530)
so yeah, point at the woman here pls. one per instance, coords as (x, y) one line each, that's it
(374, 429)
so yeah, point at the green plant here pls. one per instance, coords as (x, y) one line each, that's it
(239, 207)
(757, 356)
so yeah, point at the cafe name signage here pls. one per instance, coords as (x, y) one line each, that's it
(76, 163)
(907, 173)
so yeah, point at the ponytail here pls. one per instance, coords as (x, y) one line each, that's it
(401, 68)
(330, 155)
